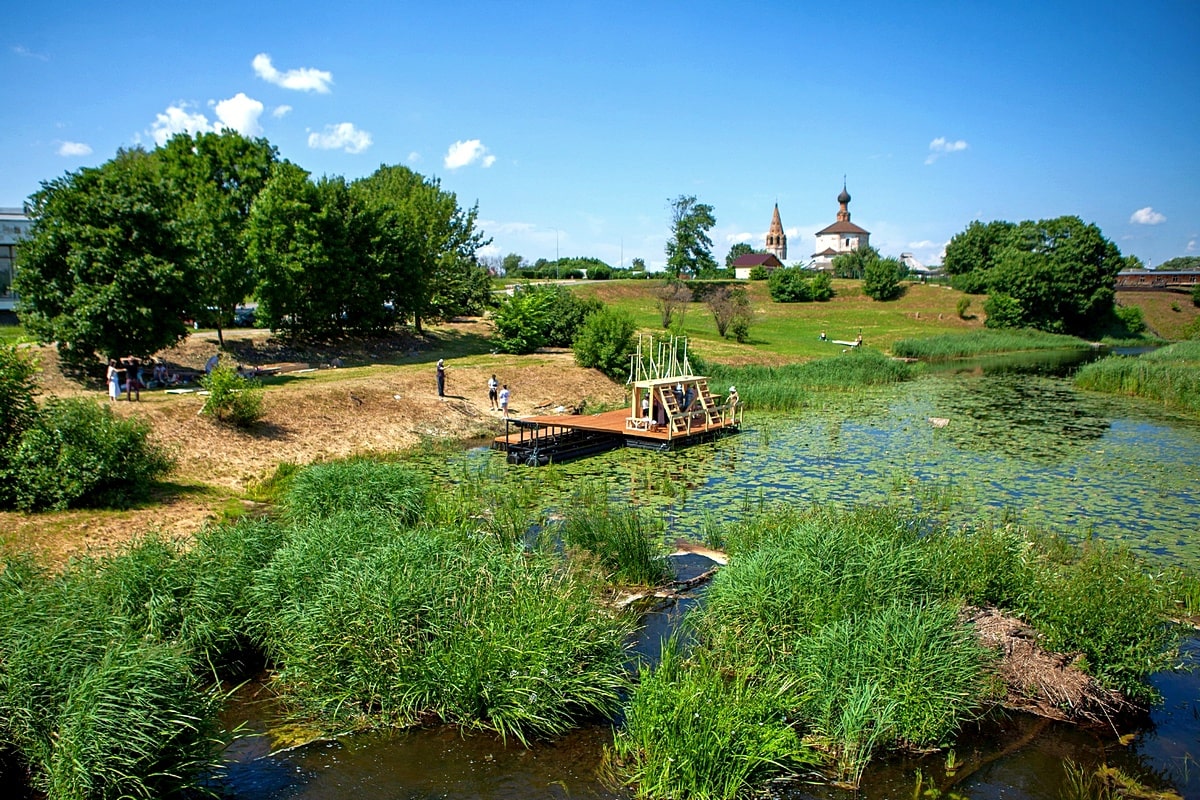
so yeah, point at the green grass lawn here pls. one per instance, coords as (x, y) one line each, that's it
(784, 332)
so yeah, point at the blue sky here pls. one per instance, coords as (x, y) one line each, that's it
(573, 125)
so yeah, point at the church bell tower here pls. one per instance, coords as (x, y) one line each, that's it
(776, 238)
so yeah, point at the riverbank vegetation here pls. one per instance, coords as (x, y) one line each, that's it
(852, 629)
(788, 387)
(984, 341)
(384, 594)
(1170, 376)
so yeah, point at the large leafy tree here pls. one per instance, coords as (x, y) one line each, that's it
(854, 264)
(287, 250)
(737, 251)
(103, 269)
(970, 255)
(1056, 274)
(218, 176)
(689, 250)
(425, 245)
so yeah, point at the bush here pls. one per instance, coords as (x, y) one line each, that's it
(1003, 311)
(1196, 295)
(961, 306)
(606, 342)
(1131, 319)
(18, 408)
(789, 285)
(79, 454)
(232, 398)
(537, 316)
(881, 279)
(758, 273)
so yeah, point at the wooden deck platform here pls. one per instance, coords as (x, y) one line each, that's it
(544, 439)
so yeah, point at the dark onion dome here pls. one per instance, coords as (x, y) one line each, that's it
(844, 197)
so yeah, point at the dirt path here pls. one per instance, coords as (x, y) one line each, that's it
(312, 415)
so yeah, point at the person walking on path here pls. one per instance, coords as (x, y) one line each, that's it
(493, 397)
(504, 396)
(441, 378)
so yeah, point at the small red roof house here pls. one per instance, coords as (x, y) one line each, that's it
(744, 263)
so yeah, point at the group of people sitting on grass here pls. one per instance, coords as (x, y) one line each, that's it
(127, 376)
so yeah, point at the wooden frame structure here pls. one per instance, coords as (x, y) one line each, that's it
(669, 408)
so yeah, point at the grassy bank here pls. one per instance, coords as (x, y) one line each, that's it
(983, 341)
(1170, 376)
(373, 606)
(830, 638)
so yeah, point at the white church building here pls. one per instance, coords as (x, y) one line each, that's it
(841, 237)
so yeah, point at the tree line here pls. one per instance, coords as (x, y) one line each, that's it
(121, 256)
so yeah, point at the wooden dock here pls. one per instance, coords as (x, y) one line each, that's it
(541, 440)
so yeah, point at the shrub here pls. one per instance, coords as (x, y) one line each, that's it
(606, 342)
(758, 273)
(881, 278)
(232, 398)
(18, 406)
(789, 285)
(821, 286)
(729, 305)
(1196, 295)
(1131, 320)
(537, 316)
(1003, 311)
(961, 306)
(79, 454)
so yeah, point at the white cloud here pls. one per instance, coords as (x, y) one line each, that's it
(281, 111)
(304, 79)
(1191, 246)
(462, 154)
(240, 113)
(735, 238)
(1147, 216)
(69, 149)
(791, 233)
(942, 146)
(177, 119)
(414, 157)
(342, 136)
(22, 50)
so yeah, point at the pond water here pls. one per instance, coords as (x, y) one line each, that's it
(1018, 442)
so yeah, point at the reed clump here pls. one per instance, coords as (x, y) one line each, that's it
(1170, 376)
(626, 540)
(861, 615)
(788, 387)
(981, 342)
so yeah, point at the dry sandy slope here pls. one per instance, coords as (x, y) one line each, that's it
(328, 413)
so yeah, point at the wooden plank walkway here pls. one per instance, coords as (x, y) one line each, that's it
(612, 423)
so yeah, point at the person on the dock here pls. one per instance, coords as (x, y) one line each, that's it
(732, 399)
(441, 378)
(504, 396)
(646, 405)
(493, 395)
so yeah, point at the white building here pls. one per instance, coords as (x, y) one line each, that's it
(14, 226)
(841, 237)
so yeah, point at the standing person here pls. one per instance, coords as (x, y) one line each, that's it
(504, 396)
(493, 397)
(113, 376)
(441, 378)
(131, 380)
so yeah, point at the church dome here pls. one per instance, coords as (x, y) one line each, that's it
(844, 197)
